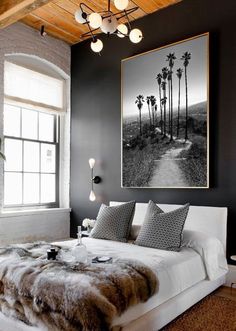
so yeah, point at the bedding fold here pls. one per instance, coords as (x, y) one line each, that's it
(210, 249)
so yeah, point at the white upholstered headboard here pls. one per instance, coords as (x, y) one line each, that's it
(210, 220)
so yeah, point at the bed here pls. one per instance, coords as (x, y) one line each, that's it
(166, 306)
(183, 278)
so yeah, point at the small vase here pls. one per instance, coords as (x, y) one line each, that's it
(80, 251)
(89, 229)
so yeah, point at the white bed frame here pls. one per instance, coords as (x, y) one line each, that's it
(210, 220)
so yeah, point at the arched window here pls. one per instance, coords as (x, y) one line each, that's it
(33, 102)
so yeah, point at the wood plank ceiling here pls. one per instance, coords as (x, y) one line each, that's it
(58, 15)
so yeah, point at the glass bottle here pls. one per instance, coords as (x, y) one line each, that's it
(80, 251)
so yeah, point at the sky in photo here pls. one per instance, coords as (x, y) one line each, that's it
(139, 75)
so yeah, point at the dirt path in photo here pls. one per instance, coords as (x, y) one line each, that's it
(167, 171)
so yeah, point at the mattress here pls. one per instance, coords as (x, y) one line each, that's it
(176, 271)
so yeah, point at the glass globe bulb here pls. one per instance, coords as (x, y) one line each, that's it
(135, 36)
(122, 30)
(91, 163)
(80, 16)
(121, 4)
(97, 45)
(109, 24)
(92, 196)
(95, 20)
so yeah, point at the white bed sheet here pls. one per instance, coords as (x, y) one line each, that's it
(176, 271)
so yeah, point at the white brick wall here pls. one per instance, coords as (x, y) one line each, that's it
(21, 39)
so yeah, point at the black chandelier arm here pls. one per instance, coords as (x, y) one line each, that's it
(91, 33)
(82, 4)
(128, 21)
(107, 13)
(127, 12)
(119, 32)
(122, 13)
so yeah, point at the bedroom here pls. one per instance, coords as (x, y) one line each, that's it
(85, 91)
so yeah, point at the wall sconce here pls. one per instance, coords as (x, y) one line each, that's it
(94, 180)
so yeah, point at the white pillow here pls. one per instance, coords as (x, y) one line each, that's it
(135, 229)
(211, 251)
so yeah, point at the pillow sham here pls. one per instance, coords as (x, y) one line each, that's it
(211, 251)
(114, 223)
(162, 230)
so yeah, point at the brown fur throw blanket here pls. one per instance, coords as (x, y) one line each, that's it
(64, 296)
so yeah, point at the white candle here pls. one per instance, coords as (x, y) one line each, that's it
(79, 228)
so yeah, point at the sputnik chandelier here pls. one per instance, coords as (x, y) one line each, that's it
(108, 22)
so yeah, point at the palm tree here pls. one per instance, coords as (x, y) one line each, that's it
(153, 103)
(148, 100)
(179, 73)
(171, 58)
(169, 98)
(159, 80)
(139, 101)
(163, 85)
(156, 115)
(186, 57)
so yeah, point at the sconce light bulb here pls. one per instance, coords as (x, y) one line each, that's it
(92, 196)
(91, 163)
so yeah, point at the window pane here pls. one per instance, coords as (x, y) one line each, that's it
(13, 153)
(31, 156)
(48, 189)
(48, 158)
(12, 188)
(46, 127)
(29, 124)
(31, 188)
(11, 121)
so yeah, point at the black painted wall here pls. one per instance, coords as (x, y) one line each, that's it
(96, 115)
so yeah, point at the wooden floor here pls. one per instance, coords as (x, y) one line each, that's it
(225, 292)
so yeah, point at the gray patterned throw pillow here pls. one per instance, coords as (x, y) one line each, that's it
(114, 223)
(162, 230)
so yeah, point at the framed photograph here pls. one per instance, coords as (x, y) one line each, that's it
(165, 116)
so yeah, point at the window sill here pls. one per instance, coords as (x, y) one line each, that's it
(28, 212)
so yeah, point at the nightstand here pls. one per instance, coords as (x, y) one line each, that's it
(233, 258)
(85, 234)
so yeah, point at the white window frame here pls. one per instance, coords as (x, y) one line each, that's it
(63, 137)
(55, 143)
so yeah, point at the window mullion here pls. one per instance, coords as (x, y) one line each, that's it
(23, 148)
(40, 144)
(21, 122)
(38, 126)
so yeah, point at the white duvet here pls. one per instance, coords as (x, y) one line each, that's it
(176, 271)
